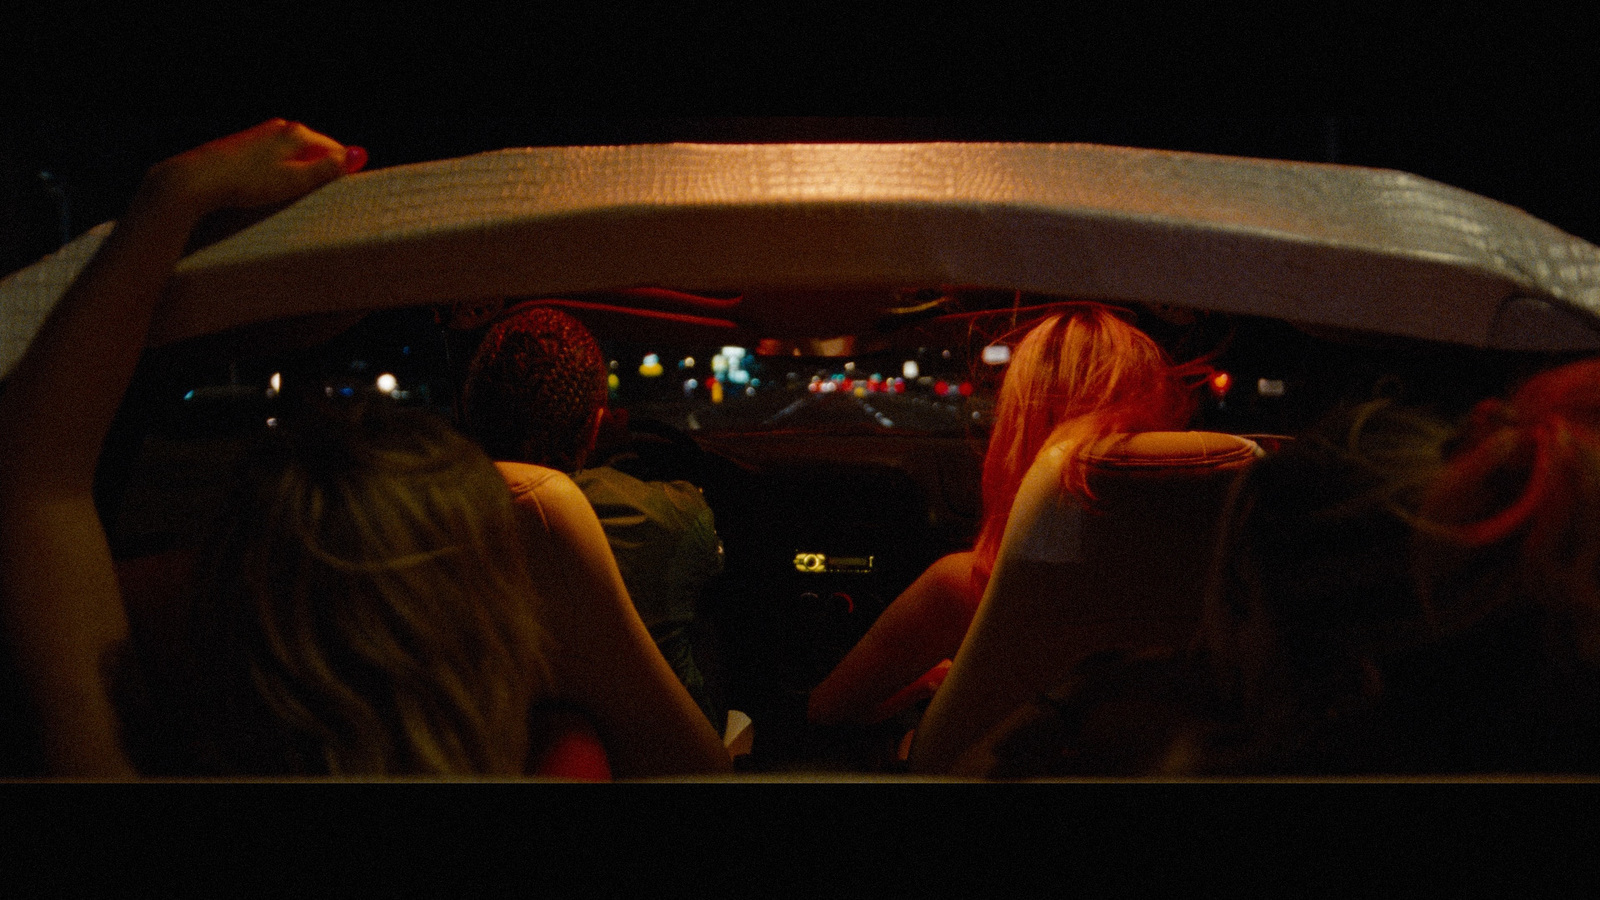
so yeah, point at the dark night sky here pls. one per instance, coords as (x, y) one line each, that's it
(1495, 105)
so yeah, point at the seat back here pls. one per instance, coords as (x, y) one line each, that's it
(1070, 581)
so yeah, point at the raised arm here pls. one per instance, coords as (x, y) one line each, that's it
(60, 608)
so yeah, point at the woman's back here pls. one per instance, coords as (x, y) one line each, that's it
(1075, 378)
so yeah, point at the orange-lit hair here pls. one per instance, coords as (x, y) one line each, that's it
(1521, 499)
(1075, 378)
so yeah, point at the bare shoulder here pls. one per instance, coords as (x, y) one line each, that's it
(527, 478)
(954, 569)
(550, 496)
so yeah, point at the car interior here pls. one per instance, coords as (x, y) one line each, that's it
(824, 369)
(829, 502)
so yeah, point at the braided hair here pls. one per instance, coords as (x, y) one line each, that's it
(533, 388)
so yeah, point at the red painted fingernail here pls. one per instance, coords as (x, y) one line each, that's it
(354, 159)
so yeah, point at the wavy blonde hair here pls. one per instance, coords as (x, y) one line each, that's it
(1076, 378)
(367, 609)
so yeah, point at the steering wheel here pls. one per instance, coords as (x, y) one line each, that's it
(655, 450)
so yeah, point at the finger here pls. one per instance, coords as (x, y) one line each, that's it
(310, 145)
(354, 158)
(318, 172)
(351, 159)
(319, 157)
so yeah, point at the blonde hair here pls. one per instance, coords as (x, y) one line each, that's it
(1075, 378)
(367, 608)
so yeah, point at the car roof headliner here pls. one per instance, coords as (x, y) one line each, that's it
(817, 237)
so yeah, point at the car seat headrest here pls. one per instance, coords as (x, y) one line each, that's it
(1171, 450)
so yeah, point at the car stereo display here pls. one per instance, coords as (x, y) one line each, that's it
(824, 564)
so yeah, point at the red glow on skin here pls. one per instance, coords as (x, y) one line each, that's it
(921, 689)
(354, 157)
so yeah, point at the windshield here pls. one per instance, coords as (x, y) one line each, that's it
(935, 390)
(1251, 375)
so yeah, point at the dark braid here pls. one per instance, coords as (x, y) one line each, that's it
(536, 381)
